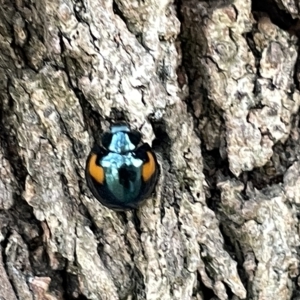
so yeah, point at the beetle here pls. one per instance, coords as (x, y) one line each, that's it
(123, 172)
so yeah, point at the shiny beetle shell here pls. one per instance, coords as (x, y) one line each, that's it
(122, 173)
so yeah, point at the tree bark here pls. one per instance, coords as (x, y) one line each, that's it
(214, 85)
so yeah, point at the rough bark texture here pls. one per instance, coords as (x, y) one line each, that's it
(215, 85)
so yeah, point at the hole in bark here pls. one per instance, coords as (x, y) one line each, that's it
(138, 291)
(232, 247)
(206, 292)
(137, 222)
(162, 142)
(70, 286)
(228, 291)
(279, 17)
(118, 12)
(214, 165)
(260, 179)
(117, 116)
(10, 148)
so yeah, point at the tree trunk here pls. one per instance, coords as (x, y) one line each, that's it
(215, 85)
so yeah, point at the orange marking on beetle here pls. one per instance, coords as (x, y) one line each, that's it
(96, 171)
(149, 167)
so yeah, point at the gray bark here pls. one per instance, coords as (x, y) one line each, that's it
(215, 84)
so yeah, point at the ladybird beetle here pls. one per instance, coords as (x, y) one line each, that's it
(123, 172)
